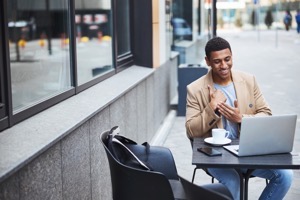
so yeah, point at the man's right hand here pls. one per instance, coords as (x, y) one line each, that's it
(216, 96)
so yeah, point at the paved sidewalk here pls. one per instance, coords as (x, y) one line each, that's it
(275, 61)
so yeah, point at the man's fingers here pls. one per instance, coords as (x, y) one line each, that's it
(224, 105)
(236, 104)
(225, 108)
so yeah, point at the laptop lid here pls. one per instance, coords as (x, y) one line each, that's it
(267, 135)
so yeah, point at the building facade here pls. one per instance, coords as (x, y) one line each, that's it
(69, 70)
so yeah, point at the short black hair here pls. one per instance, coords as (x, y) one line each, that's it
(216, 44)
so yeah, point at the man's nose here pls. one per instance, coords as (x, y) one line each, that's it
(224, 64)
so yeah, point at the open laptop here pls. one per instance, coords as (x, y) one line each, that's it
(263, 135)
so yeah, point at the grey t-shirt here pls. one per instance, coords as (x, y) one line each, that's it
(229, 92)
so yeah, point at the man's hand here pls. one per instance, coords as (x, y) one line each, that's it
(216, 96)
(230, 113)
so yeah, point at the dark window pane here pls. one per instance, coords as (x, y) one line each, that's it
(123, 25)
(2, 97)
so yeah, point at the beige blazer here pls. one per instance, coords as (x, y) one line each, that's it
(201, 118)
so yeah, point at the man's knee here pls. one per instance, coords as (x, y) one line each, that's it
(285, 177)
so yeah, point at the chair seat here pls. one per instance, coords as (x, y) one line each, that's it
(183, 189)
(215, 191)
(218, 187)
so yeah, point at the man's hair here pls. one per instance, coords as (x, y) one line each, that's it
(216, 44)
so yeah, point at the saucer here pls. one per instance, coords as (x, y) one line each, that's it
(210, 140)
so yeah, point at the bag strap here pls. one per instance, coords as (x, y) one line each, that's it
(114, 131)
(123, 139)
(115, 140)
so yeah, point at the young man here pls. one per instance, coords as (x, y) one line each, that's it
(219, 100)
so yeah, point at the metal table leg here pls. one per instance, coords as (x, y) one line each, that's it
(246, 177)
(242, 186)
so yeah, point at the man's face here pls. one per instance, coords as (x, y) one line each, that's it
(221, 64)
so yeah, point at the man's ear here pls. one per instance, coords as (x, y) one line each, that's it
(207, 61)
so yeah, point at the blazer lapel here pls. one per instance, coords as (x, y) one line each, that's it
(209, 81)
(240, 90)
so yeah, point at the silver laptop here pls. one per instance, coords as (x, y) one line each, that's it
(265, 135)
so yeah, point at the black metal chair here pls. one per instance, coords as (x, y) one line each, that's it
(129, 183)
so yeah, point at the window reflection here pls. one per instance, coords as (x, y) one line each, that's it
(94, 44)
(39, 50)
(181, 21)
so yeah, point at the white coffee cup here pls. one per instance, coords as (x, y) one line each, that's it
(219, 135)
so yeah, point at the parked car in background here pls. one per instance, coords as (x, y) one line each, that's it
(181, 29)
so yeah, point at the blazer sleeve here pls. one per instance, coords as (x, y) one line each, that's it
(200, 117)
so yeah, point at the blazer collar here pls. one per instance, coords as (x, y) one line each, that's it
(235, 78)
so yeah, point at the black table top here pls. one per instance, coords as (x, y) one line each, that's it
(228, 160)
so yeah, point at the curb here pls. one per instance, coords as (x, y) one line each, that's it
(164, 129)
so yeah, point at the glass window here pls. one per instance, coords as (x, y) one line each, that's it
(181, 20)
(123, 26)
(93, 26)
(2, 96)
(39, 52)
(55, 51)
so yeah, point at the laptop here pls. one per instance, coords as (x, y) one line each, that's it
(263, 135)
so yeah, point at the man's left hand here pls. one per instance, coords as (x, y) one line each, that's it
(230, 113)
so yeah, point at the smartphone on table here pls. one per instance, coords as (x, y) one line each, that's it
(209, 151)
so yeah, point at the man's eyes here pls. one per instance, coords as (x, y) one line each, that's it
(219, 61)
(227, 59)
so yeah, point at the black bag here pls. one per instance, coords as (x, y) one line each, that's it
(141, 156)
(128, 151)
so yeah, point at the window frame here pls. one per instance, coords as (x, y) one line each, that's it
(120, 62)
(123, 61)
(4, 78)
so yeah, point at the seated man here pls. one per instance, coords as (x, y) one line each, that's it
(219, 100)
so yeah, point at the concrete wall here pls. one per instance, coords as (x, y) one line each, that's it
(75, 166)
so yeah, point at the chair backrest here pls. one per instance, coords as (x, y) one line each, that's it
(135, 184)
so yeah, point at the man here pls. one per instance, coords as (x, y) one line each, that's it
(297, 17)
(220, 99)
(287, 20)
